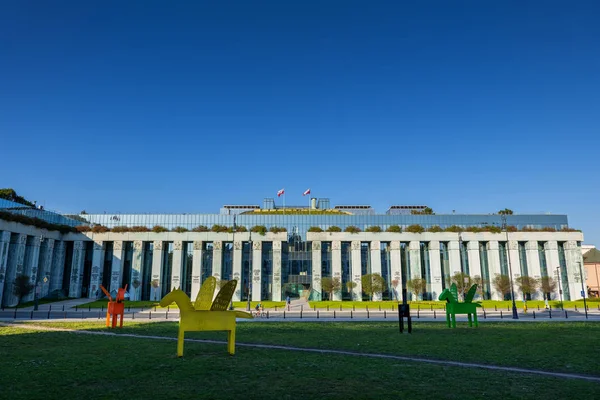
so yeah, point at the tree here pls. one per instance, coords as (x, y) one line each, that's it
(417, 286)
(373, 284)
(506, 211)
(331, 285)
(527, 285)
(21, 287)
(395, 284)
(11, 195)
(502, 284)
(548, 286)
(463, 282)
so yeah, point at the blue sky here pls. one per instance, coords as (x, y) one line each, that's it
(185, 106)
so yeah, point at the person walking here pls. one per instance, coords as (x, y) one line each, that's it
(287, 301)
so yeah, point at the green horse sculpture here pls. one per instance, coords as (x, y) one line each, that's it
(453, 307)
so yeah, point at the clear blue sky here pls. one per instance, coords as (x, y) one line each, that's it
(184, 106)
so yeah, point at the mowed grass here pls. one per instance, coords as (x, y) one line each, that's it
(37, 364)
(427, 305)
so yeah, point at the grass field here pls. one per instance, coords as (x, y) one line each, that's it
(488, 304)
(150, 304)
(65, 365)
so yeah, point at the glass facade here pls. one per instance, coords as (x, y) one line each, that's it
(425, 269)
(523, 259)
(296, 267)
(542, 257)
(445, 263)
(148, 251)
(464, 258)
(564, 278)
(346, 270)
(267, 271)
(300, 223)
(186, 271)
(485, 270)
(167, 269)
(207, 261)
(107, 267)
(503, 258)
(386, 271)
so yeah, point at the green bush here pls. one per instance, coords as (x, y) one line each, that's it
(473, 229)
(219, 228)
(374, 229)
(201, 228)
(261, 229)
(120, 229)
(512, 228)
(159, 229)
(37, 222)
(83, 228)
(434, 228)
(240, 228)
(277, 229)
(100, 229)
(493, 229)
(415, 228)
(453, 228)
(394, 228)
(139, 228)
(179, 229)
(570, 230)
(352, 229)
(334, 229)
(315, 229)
(548, 229)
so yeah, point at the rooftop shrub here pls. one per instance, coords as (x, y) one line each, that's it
(394, 228)
(139, 228)
(434, 228)
(179, 229)
(352, 229)
(277, 229)
(218, 228)
(334, 228)
(260, 229)
(159, 229)
(315, 229)
(201, 228)
(374, 229)
(453, 228)
(100, 229)
(415, 228)
(119, 229)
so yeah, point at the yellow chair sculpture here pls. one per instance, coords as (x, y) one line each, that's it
(205, 314)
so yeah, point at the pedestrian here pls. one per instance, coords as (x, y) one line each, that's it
(287, 301)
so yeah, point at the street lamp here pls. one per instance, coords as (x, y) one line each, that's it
(512, 289)
(582, 290)
(250, 272)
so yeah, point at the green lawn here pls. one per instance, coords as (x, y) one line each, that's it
(63, 365)
(40, 302)
(133, 304)
(426, 305)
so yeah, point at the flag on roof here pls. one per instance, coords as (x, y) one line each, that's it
(280, 192)
(307, 191)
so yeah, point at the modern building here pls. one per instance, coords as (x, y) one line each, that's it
(301, 247)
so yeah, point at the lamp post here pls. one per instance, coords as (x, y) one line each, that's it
(515, 315)
(250, 272)
(582, 290)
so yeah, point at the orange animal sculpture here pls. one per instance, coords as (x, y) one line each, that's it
(115, 307)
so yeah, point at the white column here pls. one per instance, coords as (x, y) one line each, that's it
(4, 246)
(237, 269)
(217, 262)
(573, 258)
(336, 267)
(58, 266)
(396, 269)
(32, 259)
(135, 292)
(77, 269)
(493, 253)
(316, 271)
(117, 267)
(356, 272)
(435, 267)
(551, 250)
(256, 270)
(45, 266)
(157, 259)
(454, 257)
(513, 253)
(97, 268)
(533, 264)
(276, 295)
(376, 263)
(197, 268)
(474, 261)
(415, 259)
(177, 267)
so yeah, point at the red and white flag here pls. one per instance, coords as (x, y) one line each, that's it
(280, 192)
(307, 191)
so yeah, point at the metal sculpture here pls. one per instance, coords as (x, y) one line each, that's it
(453, 307)
(204, 315)
(115, 307)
